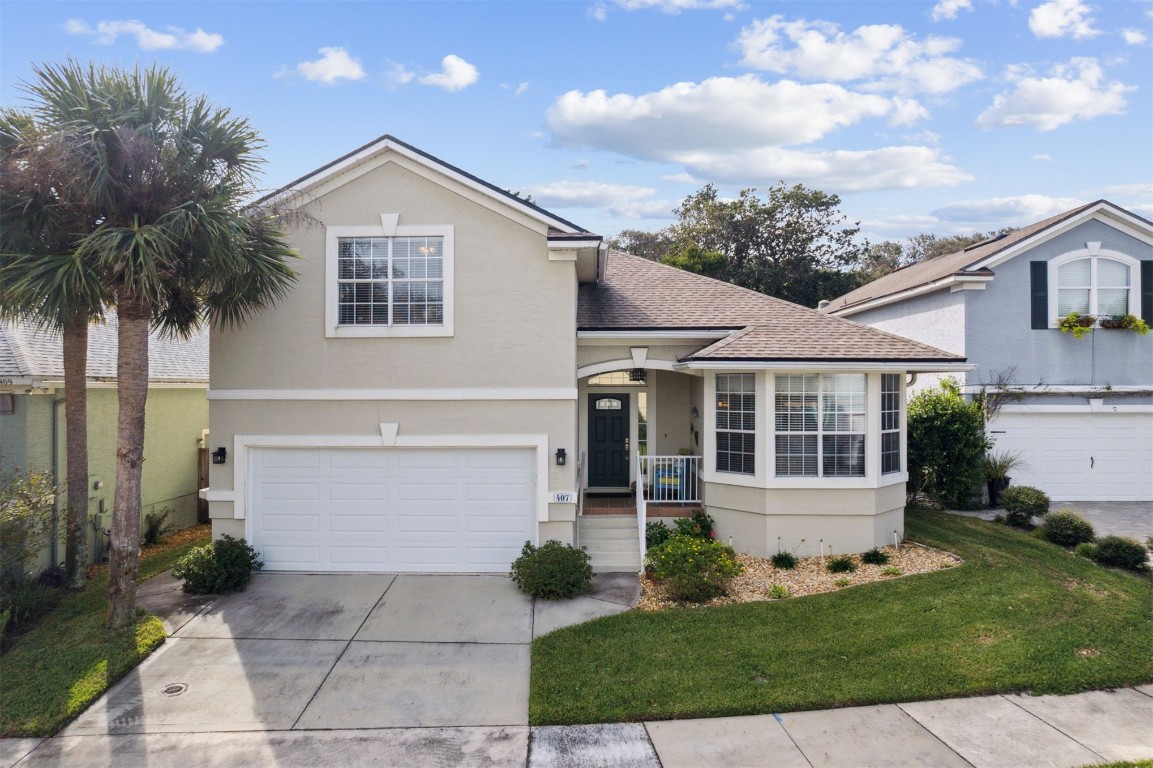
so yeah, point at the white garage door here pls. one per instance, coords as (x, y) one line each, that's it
(1081, 456)
(436, 510)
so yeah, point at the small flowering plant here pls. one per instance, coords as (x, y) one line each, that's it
(700, 525)
(692, 568)
(1076, 324)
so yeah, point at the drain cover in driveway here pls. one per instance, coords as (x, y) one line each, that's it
(174, 689)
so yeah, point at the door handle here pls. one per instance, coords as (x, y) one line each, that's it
(626, 445)
(1091, 462)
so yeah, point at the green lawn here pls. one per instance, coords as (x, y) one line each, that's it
(1019, 615)
(55, 670)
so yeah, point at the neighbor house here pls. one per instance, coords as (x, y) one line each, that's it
(457, 371)
(32, 422)
(1078, 410)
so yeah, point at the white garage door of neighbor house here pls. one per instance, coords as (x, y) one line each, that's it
(1081, 456)
(433, 510)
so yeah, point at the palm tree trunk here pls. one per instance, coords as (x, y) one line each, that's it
(76, 550)
(132, 385)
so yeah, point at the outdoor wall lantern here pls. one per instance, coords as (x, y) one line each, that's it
(220, 455)
(638, 374)
(560, 457)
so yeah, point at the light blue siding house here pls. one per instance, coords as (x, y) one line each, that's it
(1079, 410)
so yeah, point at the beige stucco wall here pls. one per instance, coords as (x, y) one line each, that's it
(514, 309)
(846, 520)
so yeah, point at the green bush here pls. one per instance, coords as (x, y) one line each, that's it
(1086, 550)
(841, 564)
(552, 570)
(874, 557)
(700, 525)
(786, 561)
(156, 527)
(694, 569)
(225, 565)
(656, 533)
(1022, 503)
(891, 570)
(1066, 528)
(947, 445)
(843, 582)
(25, 602)
(1120, 552)
(27, 506)
(778, 592)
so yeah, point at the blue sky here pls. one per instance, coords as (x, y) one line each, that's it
(944, 117)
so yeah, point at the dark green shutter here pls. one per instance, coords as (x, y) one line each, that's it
(1039, 293)
(1147, 291)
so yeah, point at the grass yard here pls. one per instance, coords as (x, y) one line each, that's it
(1019, 615)
(55, 670)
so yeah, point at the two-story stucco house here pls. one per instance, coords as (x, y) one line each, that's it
(458, 371)
(1078, 410)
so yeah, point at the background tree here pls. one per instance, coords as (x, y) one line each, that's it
(166, 173)
(653, 246)
(44, 281)
(692, 258)
(890, 255)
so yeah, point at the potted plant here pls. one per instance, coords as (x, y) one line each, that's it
(997, 466)
(1121, 322)
(1077, 324)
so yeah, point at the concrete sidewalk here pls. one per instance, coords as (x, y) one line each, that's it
(984, 732)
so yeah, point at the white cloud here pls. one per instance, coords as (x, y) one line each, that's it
(1140, 189)
(171, 39)
(1073, 91)
(1062, 18)
(884, 56)
(1005, 211)
(614, 200)
(1134, 37)
(1043, 158)
(721, 112)
(736, 130)
(676, 6)
(948, 9)
(455, 74)
(907, 112)
(397, 74)
(1142, 210)
(833, 170)
(598, 11)
(334, 64)
(680, 178)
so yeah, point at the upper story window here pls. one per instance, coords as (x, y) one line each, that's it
(820, 425)
(1093, 286)
(389, 280)
(736, 423)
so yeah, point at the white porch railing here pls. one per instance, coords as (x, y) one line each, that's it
(665, 480)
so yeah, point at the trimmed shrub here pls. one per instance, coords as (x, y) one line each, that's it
(841, 564)
(947, 445)
(225, 565)
(700, 525)
(1120, 552)
(552, 570)
(786, 561)
(656, 533)
(1066, 528)
(694, 569)
(1022, 503)
(874, 557)
(891, 570)
(778, 592)
(1085, 550)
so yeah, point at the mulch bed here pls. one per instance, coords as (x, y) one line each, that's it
(202, 532)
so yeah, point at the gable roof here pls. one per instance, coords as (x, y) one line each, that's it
(29, 355)
(969, 264)
(642, 295)
(388, 142)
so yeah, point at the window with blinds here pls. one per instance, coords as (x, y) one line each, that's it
(390, 281)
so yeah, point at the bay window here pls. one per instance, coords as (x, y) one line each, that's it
(820, 425)
(736, 423)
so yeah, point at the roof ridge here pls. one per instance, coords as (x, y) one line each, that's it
(720, 344)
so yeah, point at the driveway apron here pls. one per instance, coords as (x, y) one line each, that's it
(309, 651)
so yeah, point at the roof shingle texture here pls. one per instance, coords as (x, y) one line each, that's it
(926, 272)
(638, 294)
(29, 352)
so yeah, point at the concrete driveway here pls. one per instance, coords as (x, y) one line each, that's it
(439, 662)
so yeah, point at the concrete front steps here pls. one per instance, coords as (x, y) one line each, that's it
(612, 542)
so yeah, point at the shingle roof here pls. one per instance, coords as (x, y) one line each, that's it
(642, 295)
(957, 263)
(27, 352)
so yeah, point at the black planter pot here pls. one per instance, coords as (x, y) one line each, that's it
(996, 485)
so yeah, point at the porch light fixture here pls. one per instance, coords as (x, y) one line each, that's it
(220, 455)
(560, 457)
(638, 374)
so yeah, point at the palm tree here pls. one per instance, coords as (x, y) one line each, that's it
(166, 173)
(43, 281)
